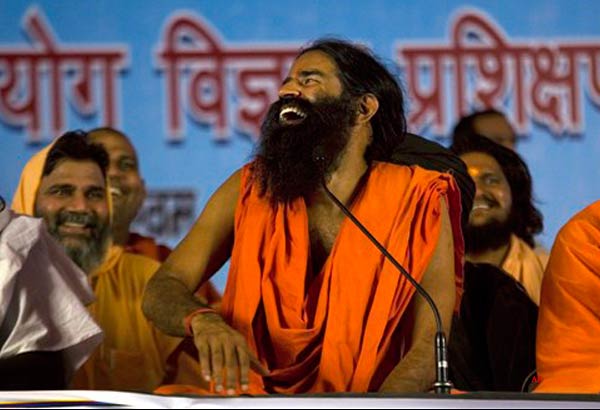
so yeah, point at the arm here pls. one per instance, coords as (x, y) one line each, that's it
(169, 295)
(416, 371)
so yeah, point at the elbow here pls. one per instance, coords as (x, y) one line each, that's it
(147, 301)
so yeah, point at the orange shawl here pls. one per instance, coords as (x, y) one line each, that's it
(526, 265)
(338, 332)
(568, 349)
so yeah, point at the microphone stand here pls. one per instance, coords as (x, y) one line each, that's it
(442, 383)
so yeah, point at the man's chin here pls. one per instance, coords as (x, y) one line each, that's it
(86, 258)
(76, 240)
(480, 221)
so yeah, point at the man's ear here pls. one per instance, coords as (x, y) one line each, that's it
(368, 105)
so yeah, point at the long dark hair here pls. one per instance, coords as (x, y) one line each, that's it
(526, 219)
(361, 73)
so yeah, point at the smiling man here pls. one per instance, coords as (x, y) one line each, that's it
(128, 191)
(72, 200)
(504, 219)
(65, 185)
(126, 185)
(311, 305)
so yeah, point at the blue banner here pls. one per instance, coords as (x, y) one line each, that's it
(189, 82)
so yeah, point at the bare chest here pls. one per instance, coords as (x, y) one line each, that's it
(323, 231)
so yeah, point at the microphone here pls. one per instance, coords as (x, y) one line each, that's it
(442, 383)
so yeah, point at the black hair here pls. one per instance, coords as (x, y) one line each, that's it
(465, 127)
(361, 73)
(526, 219)
(74, 145)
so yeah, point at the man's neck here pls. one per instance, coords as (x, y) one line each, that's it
(494, 257)
(120, 236)
(343, 181)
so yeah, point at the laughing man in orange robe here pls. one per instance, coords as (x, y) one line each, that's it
(310, 304)
(568, 350)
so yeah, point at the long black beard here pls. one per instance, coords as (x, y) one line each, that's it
(487, 237)
(284, 161)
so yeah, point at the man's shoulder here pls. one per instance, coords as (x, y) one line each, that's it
(584, 224)
(411, 175)
(147, 246)
(409, 170)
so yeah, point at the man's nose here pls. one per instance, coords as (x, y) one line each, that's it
(78, 202)
(113, 172)
(290, 90)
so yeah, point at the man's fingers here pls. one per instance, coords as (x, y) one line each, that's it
(216, 355)
(257, 366)
(204, 359)
(244, 361)
(231, 366)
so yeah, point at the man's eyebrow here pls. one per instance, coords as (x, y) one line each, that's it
(59, 185)
(308, 73)
(304, 74)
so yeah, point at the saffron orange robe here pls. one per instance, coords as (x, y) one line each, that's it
(526, 265)
(346, 328)
(568, 336)
(133, 354)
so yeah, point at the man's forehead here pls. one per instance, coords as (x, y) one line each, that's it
(76, 173)
(314, 60)
(113, 143)
(479, 163)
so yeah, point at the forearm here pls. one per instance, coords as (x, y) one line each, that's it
(167, 301)
(415, 372)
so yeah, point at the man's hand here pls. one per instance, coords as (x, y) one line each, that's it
(222, 349)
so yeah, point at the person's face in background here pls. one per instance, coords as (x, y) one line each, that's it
(497, 128)
(493, 198)
(490, 220)
(72, 201)
(127, 187)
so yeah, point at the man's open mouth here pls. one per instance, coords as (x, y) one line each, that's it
(115, 192)
(75, 229)
(291, 115)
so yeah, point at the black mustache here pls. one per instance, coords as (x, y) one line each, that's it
(86, 219)
(300, 103)
(489, 200)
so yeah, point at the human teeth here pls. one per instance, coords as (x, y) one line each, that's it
(74, 225)
(115, 191)
(481, 206)
(292, 110)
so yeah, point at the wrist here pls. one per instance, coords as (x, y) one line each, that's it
(187, 321)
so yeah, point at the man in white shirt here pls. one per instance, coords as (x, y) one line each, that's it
(46, 332)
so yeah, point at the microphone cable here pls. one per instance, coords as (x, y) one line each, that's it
(442, 383)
